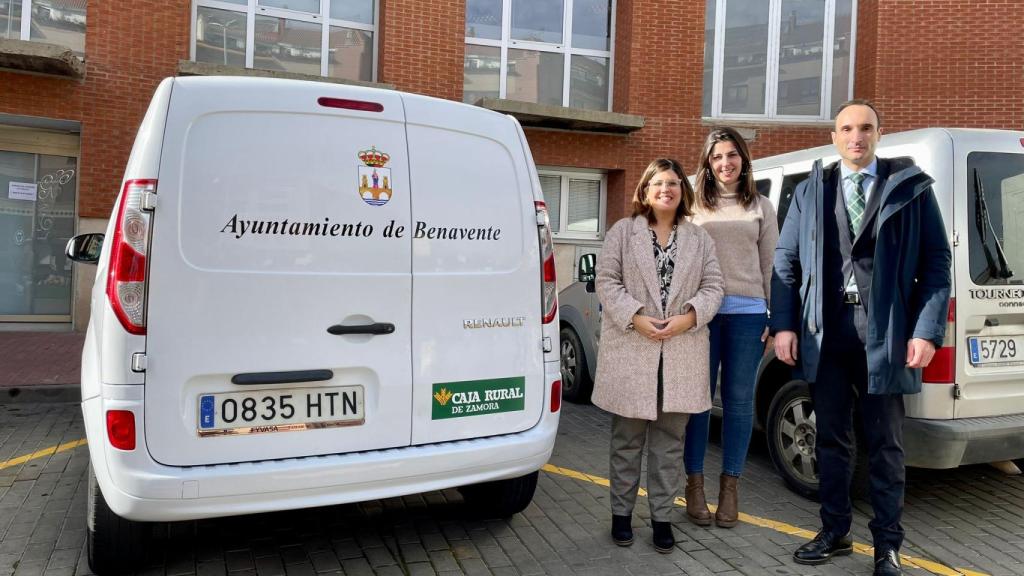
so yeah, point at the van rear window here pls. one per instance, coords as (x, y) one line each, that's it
(996, 217)
(789, 184)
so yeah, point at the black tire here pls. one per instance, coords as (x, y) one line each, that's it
(792, 432)
(115, 545)
(576, 382)
(500, 498)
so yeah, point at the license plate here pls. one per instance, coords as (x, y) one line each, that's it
(265, 411)
(996, 350)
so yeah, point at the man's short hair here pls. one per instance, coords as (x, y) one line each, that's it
(861, 102)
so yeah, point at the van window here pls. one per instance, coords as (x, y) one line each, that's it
(789, 183)
(996, 217)
(764, 187)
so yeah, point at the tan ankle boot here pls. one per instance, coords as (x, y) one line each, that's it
(728, 502)
(696, 506)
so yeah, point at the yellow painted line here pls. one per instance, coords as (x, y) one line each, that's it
(43, 453)
(933, 567)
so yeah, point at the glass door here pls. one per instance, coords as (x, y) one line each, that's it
(37, 217)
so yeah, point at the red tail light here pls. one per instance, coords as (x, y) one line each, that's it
(942, 369)
(549, 290)
(126, 281)
(556, 395)
(121, 429)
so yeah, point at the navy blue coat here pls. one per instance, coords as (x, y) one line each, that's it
(910, 283)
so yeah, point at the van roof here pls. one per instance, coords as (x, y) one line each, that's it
(967, 136)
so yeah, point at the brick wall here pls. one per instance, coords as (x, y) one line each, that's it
(422, 46)
(926, 63)
(944, 62)
(130, 47)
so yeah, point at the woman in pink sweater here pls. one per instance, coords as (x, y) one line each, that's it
(743, 225)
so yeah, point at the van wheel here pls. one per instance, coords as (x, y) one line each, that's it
(576, 383)
(791, 434)
(115, 545)
(500, 498)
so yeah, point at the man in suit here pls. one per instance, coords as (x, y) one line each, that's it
(860, 296)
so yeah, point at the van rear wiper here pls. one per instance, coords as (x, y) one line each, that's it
(997, 266)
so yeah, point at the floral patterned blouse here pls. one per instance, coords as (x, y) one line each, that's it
(665, 261)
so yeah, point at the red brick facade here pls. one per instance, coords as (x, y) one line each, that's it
(926, 63)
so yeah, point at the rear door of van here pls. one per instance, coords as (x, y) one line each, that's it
(989, 272)
(279, 314)
(477, 344)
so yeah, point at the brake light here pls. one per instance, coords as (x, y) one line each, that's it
(126, 282)
(549, 291)
(347, 104)
(121, 429)
(556, 395)
(942, 369)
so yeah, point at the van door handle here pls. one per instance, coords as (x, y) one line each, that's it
(282, 377)
(375, 329)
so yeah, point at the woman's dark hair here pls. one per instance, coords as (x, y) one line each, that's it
(640, 205)
(707, 188)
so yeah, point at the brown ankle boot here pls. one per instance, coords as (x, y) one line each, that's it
(728, 502)
(696, 506)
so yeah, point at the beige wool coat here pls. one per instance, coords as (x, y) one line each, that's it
(627, 282)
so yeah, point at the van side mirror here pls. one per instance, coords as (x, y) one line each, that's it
(586, 268)
(586, 271)
(85, 248)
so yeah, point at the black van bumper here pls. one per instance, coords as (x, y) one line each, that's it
(952, 443)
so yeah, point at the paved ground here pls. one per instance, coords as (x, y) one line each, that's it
(971, 518)
(37, 365)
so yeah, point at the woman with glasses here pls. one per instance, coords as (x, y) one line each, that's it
(744, 227)
(659, 284)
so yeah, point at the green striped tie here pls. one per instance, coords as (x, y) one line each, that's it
(855, 202)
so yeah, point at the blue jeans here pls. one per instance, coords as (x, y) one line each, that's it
(736, 345)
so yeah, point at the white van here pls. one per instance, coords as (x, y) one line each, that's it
(311, 294)
(971, 409)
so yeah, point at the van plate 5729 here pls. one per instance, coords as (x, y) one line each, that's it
(996, 350)
(263, 411)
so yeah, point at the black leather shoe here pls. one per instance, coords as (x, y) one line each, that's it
(887, 562)
(622, 531)
(823, 548)
(664, 541)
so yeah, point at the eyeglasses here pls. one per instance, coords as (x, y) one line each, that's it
(665, 183)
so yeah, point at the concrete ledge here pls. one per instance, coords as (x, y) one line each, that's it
(42, 393)
(190, 68)
(544, 116)
(40, 58)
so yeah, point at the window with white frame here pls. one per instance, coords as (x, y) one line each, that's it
(334, 38)
(556, 52)
(778, 59)
(59, 22)
(576, 202)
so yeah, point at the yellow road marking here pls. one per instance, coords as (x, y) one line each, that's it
(44, 452)
(933, 567)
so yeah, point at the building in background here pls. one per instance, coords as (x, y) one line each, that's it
(601, 86)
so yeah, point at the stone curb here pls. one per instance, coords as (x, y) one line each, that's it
(42, 393)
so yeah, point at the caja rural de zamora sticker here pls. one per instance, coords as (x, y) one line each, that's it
(478, 397)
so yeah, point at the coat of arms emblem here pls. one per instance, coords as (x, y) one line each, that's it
(375, 185)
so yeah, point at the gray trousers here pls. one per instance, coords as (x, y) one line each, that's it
(664, 438)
